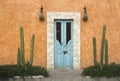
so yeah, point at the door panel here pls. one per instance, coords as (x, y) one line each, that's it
(63, 41)
(68, 57)
(58, 47)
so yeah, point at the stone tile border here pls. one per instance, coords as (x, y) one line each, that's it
(60, 79)
(100, 79)
(26, 78)
(80, 79)
(51, 16)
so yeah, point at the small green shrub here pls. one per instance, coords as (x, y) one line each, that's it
(111, 70)
(27, 70)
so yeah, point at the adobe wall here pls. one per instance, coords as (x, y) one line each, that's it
(16, 13)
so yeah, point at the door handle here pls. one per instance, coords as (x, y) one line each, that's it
(65, 52)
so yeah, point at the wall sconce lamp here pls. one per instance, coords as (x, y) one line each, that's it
(85, 16)
(41, 17)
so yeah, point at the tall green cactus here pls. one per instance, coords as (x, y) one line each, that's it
(22, 56)
(106, 52)
(94, 50)
(32, 49)
(104, 49)
(18, 57)
(102, 46)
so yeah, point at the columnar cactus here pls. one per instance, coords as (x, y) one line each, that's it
(106, 52)
(94, 50)
(102, 47)
(32, 49)
(18, 57)
(22, 56)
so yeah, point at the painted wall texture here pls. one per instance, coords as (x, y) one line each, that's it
(16, 13)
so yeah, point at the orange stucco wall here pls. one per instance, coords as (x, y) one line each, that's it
(16, 13)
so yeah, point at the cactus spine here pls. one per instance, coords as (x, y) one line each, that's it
(94, 50)
(106, 52)
(22, 56)
(102, 47)
(32, 49)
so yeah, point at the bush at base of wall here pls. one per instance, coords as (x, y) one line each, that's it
(111, 70)
(14, 70)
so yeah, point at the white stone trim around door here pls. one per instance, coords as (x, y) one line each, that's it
(51, 16)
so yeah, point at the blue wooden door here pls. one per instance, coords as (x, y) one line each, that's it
(63, 42)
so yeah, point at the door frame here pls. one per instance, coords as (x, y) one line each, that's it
(51, 16)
